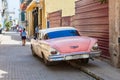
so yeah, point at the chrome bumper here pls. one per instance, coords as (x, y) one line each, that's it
(73, 56)
(95, 54)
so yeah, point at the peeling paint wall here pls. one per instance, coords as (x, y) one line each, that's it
(114, 29)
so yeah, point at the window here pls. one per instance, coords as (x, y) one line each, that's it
(62, 33)
(40, 36)
(45, 36)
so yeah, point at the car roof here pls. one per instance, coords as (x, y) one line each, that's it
(56, 29)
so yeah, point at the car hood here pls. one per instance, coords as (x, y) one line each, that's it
(72, 44)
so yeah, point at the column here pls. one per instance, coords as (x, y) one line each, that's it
(114, 30)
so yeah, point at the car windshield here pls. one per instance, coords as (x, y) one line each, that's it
(63, 33)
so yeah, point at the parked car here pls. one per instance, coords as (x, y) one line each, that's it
(63, 44)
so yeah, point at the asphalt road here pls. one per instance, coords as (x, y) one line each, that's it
(17, 63)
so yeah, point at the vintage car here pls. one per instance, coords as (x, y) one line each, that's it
(63, 44)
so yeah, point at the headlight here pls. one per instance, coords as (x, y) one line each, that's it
(53, 51)
(95, 47)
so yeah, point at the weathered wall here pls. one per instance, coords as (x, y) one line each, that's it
(55, 18)
(91, 19)
(66, 21)
(114, 28)
(29, 19)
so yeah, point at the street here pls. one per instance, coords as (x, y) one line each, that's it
(17, 63)
(82, 35)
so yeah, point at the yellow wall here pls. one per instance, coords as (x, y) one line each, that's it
(29, 18)
(30, 23)
(44, 19)
(67, 6)
(48, 6)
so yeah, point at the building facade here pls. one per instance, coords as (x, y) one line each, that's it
(23, 6)
(4, 12)
(37, 12)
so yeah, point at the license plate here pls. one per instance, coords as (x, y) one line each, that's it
(76, 56)
(94, 55)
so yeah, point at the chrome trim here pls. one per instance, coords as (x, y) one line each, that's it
(95, 53)
(73, 56)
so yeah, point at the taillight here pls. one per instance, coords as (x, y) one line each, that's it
(95, 47)
(53, 52)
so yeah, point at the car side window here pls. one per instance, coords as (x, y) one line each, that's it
(45, 36)
(40, 36)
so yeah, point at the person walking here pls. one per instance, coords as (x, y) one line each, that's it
(23, 36)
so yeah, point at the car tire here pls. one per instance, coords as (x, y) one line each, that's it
(33, 53)
(85, 61)
(46, 62)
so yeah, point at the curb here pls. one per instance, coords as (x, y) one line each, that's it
(85, 70)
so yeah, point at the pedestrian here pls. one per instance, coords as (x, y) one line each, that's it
(36, 32)
(23, 36)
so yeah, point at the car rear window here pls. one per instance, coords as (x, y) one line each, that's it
(63, 33)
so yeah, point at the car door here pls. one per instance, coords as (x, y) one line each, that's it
(38, 48)
(34, 44)
(44, 46)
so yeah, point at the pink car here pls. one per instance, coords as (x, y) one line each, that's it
(63, 44)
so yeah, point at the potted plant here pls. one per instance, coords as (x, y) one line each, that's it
(7, 25)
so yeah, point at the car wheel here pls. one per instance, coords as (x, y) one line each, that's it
(33, 53)
(85, 61)
(47, 63)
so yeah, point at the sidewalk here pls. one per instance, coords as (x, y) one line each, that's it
(98, 69)
(103, 70)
